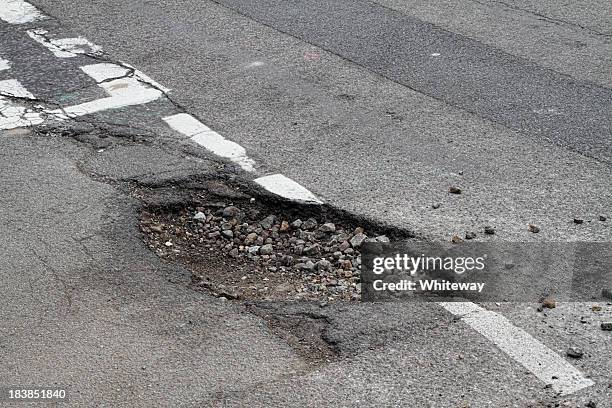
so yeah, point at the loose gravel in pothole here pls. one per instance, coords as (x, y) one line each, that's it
(246, 253)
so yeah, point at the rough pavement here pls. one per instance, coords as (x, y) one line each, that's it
(88, 306)
(339, 122)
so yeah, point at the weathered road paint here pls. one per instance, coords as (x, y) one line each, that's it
(11, 114)
(541, 361)
(19, 12)
(210, 140)
(64, 47)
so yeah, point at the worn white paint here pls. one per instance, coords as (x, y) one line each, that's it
(12, 87)
(210, 140)
(4, 64)
(287, 188)
(145, 78)
(64, 47)
(18, 12)
(123, 90)
(11, 114)
(522, 347)
(186, 124)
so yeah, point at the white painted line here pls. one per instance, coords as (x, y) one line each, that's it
(18, 12)
(11, 115)
(287, 188)
(65, 47)
(4, 64)
(210, 140)
(14, 88)
(124, 91)
(186, 124)
(544, 363)
(145, 78)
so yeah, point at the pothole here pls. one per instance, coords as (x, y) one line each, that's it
(260, 248)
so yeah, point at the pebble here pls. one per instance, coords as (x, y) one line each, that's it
(284, 226)
(606, 326)
(435, 206)
(323, 265)
(456, 239)
(489, 230)
(230, 212)
(454, 190)
(266, 249)
(253, 249)
(267, 222)
(578, 221)
(296, 224)
(228, 233)
(309, 224)
(250, 239)
(328, 227)
(357, 240)
(575, 352)
(549, 303)
(602, 218)
(533, 228)
(199, 216)
(470, 235)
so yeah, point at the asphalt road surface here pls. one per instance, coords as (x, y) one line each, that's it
(373, 107)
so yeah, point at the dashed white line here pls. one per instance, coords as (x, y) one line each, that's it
(64, 47)
(210, 140)
(18, 12)
(287, 188)
(11, 115)
(544, 363)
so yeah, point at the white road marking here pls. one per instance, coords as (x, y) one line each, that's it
(64, 47)
(210, 140)
(18, 12)
(544, 363)
(123, 90)
(4, 64)
(287, 188)
(11, 115)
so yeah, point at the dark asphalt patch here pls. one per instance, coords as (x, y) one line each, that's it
(462, 72)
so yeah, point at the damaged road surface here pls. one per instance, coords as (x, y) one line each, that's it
(149, 259)
(89, 307)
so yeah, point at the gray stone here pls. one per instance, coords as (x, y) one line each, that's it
(296, 224)
(267, 222)
(357, 240)
(607, 326)
(199, 216)
(328, 227)
(266, 249)
(230, 212)
(228, 233)
(309, 224)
